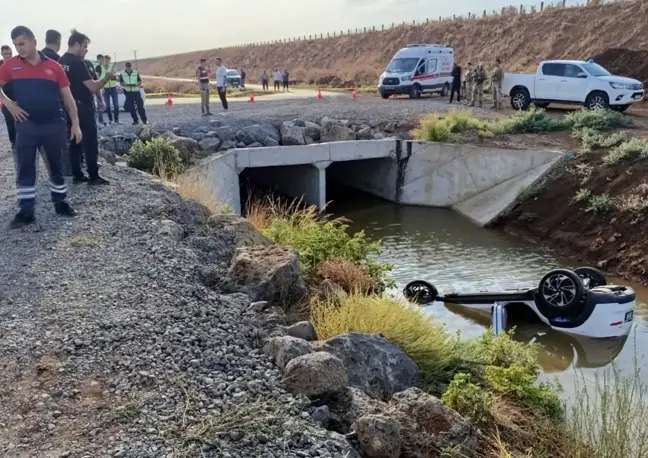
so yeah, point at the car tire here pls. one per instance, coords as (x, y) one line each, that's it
(446, 89)
(597, 100)
(561, 293)
(591, 277)
(620, 108)
(520, 99)
(420, 292)
(383, 94)
(415, 92)
(541, 104)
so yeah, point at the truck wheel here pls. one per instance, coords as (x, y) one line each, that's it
(420, 292)
(383, 94)
(541, 104)
(561, 293)
(415, 92)
(520, 99)
(445, 90)
(597, 100)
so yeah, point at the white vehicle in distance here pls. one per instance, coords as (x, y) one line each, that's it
(418, 69)
(572, 82)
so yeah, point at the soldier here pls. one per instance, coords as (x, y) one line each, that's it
(496, 84)
(468, 82)
(479, 77)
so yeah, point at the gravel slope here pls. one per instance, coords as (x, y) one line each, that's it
(111, 347)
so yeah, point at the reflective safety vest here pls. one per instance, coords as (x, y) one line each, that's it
(110, 83)
(130, 81)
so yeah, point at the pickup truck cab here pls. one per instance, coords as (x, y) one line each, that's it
(572, 82)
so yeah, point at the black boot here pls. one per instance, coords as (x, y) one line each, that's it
(22, 219)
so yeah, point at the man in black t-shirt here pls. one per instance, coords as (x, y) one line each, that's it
(52, 44)
(83, 88)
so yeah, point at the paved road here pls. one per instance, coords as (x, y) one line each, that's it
(293, 94)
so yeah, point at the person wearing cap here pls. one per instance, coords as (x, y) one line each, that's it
(130, 81)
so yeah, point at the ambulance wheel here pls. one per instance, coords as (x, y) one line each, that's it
(445, 90)
(561, 292)
(591, 277)
(420, 292)
(415, 92)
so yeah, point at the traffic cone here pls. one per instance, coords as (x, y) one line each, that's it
(169, 102)
(319, 94)
(251, 96)
(354, 95)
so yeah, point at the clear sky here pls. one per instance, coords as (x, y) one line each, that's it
(160, 27)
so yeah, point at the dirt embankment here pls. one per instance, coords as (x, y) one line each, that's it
(613, 239)
(520, 40)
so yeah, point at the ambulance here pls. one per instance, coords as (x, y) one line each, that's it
(418, 69)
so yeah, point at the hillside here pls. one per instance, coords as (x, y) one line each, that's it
(519, 40)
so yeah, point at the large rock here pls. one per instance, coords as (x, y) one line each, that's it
(270, 273)
(375, 365)
(146, 132)
(245, 137)
(170, 229)
(349, 406)
(336, 133)
(364, 133)
(264, 134)
(210, 144)
(302, 330)
(187, 147)
(327, 122)
(108, 156)
(227, 145)
(292, 136)
(312, 130)
(428, 424)
(319, 376)
(379, 436)
(118, 144)
(284, 349)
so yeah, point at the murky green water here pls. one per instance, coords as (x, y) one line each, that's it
(446, 249)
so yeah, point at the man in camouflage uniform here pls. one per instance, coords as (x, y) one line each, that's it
(496, 84)
(479, 77)
(468, 83)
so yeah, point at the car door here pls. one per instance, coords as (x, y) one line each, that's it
(571, 87)
(546, 84)
(431, 76)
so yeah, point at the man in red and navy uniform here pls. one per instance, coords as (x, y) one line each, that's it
(39, 86)
(7, 54)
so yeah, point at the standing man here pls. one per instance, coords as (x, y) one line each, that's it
(277, 79)
(99, 73)
(221, 82)
(83, 88)
(130, 81)
(496, 84)
(456, 83)
(202, 74)
(110, 91)
(52, 44)
(7, 53)
(264, 80)
(40, 89)
(479, 77)
(470, 76)
(286, 80)
(243, 75)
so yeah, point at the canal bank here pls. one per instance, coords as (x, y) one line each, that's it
(443, 247)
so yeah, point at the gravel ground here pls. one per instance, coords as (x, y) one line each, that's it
(111, 346)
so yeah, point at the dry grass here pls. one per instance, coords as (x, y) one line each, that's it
(521, 41)
(262, 212)
(347, 275)
(194, 185)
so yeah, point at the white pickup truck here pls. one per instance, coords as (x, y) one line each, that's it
(571, 82)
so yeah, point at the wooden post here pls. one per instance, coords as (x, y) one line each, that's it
(541, 6)
(484, 13)
(521, 9)
(563, 5)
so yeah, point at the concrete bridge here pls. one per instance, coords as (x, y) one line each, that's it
(479, 182)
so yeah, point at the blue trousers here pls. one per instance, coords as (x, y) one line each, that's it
(29, 137)
(110, 93)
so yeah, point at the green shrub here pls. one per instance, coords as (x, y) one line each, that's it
(635, 148)
(581, 194)
(450, 127)
(598, 119)
(468, 399)
(592, 139)
(533, 121)
(600, 204)
(157, 156)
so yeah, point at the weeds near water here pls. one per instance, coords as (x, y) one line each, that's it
(600, 204)
(158, 156)
(533, 121)
(450, 127)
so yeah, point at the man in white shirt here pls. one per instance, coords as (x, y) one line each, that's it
(221, 82)
(277, 79)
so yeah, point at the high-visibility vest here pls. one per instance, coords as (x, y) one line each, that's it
(130, 81)
(110, 83)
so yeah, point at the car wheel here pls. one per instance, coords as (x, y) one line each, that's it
(541, 104)
(597, 101)
(445, 90)
(420, 292)
(383, 94)
(520, 99)
(415, 92)
(620, 108)
(591, 277)
(561, 293)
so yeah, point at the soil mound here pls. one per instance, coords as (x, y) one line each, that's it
(626, 62)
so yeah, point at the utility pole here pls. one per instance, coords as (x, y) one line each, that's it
(135, 57)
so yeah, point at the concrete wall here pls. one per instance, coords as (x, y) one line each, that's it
(478, 182)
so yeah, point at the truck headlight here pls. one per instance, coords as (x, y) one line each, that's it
(406, 78)
(621, 86)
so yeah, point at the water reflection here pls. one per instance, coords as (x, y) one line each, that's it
(446, 249)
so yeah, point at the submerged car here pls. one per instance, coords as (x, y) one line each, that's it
(578, 302)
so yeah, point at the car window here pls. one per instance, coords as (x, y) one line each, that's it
(572, 71)
(553, 69)
(431, 66)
